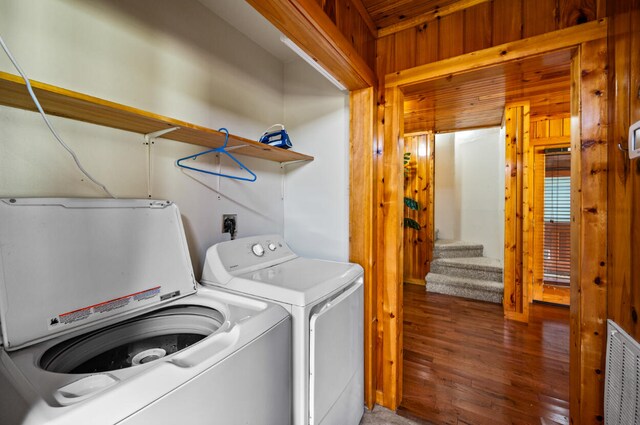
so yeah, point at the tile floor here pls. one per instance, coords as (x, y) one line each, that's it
(381, 416)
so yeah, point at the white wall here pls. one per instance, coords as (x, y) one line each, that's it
(317, 194)
(469, 188)
(172, 58)
(447, 219)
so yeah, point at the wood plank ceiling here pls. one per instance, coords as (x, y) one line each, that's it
(390, 12)
(477, 98)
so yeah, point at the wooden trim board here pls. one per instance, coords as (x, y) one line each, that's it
(419, 282)
(362, 211)
(532, 46)
(392, 252)
(307, 25)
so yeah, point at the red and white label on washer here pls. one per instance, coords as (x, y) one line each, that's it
(91, 311)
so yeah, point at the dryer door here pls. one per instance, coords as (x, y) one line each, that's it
(336, 387)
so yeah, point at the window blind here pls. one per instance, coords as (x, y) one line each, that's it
(557, 218)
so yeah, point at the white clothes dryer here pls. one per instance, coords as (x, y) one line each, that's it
(103, 323)
(325, 299)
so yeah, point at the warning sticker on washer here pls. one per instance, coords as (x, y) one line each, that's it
(92, 311)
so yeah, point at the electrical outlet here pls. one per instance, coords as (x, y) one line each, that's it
(229, 223)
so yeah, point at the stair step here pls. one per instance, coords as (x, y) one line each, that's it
(446, 248)
(477, 289)
(473, 267)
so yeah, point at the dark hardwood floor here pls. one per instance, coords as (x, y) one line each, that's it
(465, 364)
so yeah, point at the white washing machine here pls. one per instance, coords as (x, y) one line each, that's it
(325, 300)
(103, 323)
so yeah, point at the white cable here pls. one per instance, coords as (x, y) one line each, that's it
(46, 120)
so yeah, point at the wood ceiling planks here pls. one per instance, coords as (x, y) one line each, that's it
(477, 99)
(389, 12)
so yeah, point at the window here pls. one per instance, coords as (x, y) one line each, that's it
(557, 217)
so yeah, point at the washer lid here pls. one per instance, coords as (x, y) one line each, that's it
(300, 281)
(67, 264)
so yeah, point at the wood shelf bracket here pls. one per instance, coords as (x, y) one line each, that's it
(283, 164)
(282, 167)
(232, 148)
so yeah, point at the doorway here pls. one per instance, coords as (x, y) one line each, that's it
(517, 96)
(588, 82)
(463, 362)
(468, 185)
(543, 82)
(552, 212)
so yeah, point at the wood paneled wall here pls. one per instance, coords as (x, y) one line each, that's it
(589, 126)
(418, 185)
(351, 19)
(549, 131)
(624, 174)
(479, 27)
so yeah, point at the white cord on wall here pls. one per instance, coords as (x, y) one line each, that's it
(46, 120)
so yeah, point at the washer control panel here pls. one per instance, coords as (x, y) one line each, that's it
(238, 256)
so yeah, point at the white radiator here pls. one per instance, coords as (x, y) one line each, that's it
(622, 378)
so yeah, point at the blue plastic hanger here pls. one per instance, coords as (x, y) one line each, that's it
(222, 150)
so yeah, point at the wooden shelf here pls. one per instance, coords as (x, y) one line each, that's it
(81, 107)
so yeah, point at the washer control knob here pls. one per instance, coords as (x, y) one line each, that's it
(257, 249)
(272, 246)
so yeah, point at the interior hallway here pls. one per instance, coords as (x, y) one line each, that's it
(465, 364)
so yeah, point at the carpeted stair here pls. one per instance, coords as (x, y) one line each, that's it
(460, 269)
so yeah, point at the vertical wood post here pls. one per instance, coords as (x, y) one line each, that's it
(362, 106)
(518, 213)
(392, 234)
(588, 231)
(418, 185)
(431, 207)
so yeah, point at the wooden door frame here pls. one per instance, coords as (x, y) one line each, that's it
(391, 314)
(589, 202)
(538, 291)
(362, 222)
(589, 239)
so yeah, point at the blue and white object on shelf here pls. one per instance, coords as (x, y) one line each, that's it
(276, 138)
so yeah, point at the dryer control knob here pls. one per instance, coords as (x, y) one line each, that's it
(258, 250)
(272, 246)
